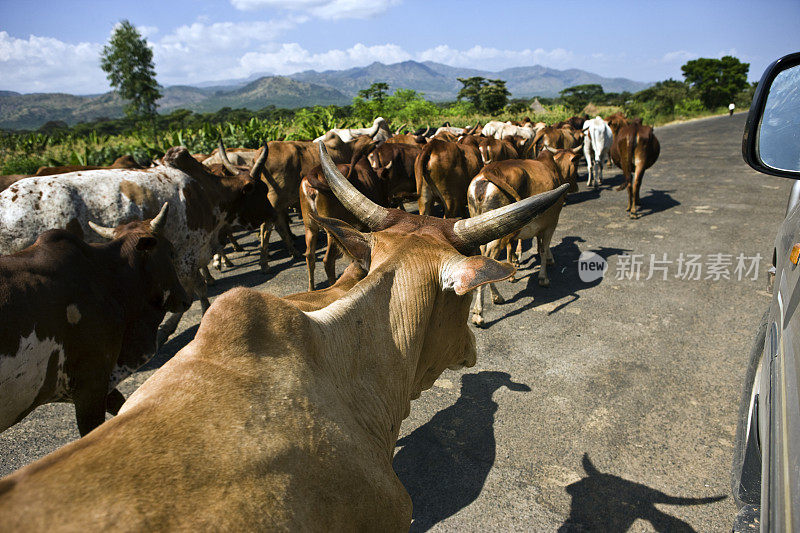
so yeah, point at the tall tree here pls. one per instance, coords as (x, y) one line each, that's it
(577, 97)
(128, 63)
(488, 96)
(717, 81)
(377, 91)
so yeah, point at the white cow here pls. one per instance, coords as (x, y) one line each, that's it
(597, 140)
(379, 131)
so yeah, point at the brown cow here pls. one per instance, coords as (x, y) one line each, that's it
(504, 182)
(124, 161)
(407, 138)
(287, 163)
(443, 171)
(616, 121)
(273, 418)
(317, 200)
(394, 163)
(79, 318)
(634, 150)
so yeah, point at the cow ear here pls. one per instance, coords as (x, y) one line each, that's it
(354, 243)
(146, 243)
(463, 274)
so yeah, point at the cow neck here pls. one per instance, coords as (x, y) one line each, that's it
(372, 340)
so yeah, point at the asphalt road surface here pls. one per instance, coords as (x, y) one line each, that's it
(606, 405)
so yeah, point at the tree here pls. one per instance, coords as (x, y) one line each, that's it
(717, 81)
(665, 96)
(128, 62)
(577, 97)
(488, 96)
(376, 92)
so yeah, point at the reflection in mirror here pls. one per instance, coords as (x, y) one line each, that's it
(779, 135)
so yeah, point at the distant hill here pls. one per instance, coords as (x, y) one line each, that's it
(439, 82)
(435, 80)
(29, 111)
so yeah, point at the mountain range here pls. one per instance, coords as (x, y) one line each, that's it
(437, 81)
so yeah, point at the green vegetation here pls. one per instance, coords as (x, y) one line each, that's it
(101, 141)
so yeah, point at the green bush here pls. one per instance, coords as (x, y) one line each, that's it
(22, 164)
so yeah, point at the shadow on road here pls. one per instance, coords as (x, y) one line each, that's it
(564, 279)
(657, 201)
(444, 463)
(604, 502)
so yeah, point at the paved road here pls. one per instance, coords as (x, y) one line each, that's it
(604, 406)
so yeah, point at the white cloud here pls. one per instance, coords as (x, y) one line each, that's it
(325, 9)
(44, 64)
(291, 58)
(678, 56)
(494, 58)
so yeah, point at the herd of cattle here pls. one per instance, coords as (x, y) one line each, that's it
(282, 412)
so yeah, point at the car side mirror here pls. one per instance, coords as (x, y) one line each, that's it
(771, 142)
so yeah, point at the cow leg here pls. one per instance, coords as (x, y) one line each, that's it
(201, 289)
(311, 258)
(545, 255)
(236, 246)
(263, 236)
(225, 260)
(493, 250)
(90, 405)
(282, 226)
(426, 200)
(477, 304)
(207, 277)
(329, 260)
(168, 327)
(114, 401)
(637, 184)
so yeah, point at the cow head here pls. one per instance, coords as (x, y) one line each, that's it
(151, 256)
(433, 257)
(245, 195)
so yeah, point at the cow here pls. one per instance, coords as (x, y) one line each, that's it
(79, 318)
(616, 121)
(597, 139)
(407, 138)
(443, 171)
(235, 156)
(394, 164)
(287, 163)
(124, 161)
(274, 418)
(202, 205)
(317, 200)
(379, 131)
(504, 182)
(634, 150)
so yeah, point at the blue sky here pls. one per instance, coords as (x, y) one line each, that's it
(52, 45)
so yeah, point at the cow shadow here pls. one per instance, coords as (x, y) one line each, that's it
(170, 348)
(564, 279)
(605, 502)
(657, 201)
(444, 463)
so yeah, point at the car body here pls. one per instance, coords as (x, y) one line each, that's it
(766, 466)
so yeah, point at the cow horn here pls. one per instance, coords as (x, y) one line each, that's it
(577, 150)
(106, 233)
(158, 222)
(400, 129)
(376, 126)
(550, 148)
(260, 162)
(426, 132)
(223, 156)
(362, 207)
(505, 220)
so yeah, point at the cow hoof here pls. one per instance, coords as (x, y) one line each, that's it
(478, 320)
(217, 266)
(544, 282)
(633, 215)
(498, 299)
(264, 267)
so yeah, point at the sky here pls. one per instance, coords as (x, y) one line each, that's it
(54, 45)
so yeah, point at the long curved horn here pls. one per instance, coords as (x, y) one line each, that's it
(223, 156)
(426, 132)
(260, 162)
(400, 129)
(505, 220)
(362, 207)
(376, 125)
(550, 148)
(106, 233)
(160, 220)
